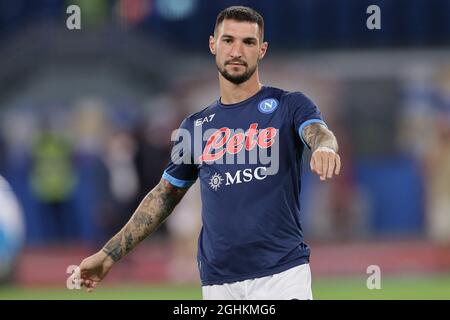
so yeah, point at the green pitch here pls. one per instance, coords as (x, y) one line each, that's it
(435, 287)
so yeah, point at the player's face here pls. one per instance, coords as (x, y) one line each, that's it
(238, 49)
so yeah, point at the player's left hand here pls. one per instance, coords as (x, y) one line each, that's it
(325, 162)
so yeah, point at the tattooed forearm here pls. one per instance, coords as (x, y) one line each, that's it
(152, 211)
(317, 135)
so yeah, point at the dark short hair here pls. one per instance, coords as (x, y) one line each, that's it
(241, 13)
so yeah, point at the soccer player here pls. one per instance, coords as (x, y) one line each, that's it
(251, 244)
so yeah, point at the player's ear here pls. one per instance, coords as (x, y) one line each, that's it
(263, 50)
(212, 45)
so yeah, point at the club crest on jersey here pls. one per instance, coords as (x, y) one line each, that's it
(268, 105)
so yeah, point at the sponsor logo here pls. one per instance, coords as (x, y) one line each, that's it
(251, 146)
(216, 181)
(240, 176)
(223, 141)
(199, 122)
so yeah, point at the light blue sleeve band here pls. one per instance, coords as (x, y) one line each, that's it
(307, 123)
(177, 182)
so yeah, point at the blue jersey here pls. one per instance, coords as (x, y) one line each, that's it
(248, 157)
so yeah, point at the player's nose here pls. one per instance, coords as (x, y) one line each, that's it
(236, 50)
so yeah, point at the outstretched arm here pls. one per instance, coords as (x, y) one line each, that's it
(325, 160)
(153, 210)
(157, 205)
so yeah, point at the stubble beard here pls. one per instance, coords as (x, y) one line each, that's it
(237, 79)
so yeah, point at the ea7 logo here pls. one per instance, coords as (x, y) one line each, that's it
(199, 122)
(245, 175)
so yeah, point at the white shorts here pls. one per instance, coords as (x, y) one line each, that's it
(294, 283)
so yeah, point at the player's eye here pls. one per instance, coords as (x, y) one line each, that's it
(249, 42)
(227, 40)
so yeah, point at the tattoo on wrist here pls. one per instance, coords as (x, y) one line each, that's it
(317, 135)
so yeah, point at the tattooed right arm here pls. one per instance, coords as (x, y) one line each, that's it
(157, 205)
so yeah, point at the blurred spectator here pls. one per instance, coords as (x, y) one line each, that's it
(53, 180)
(438, 167)
(184, 226)
(94, 200)
(123, 180)
(153, 147)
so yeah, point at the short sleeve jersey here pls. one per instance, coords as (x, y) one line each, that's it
(248, 157)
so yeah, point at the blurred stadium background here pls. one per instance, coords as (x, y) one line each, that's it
(86, 117)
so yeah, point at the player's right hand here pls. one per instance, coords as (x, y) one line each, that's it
(93, 269)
